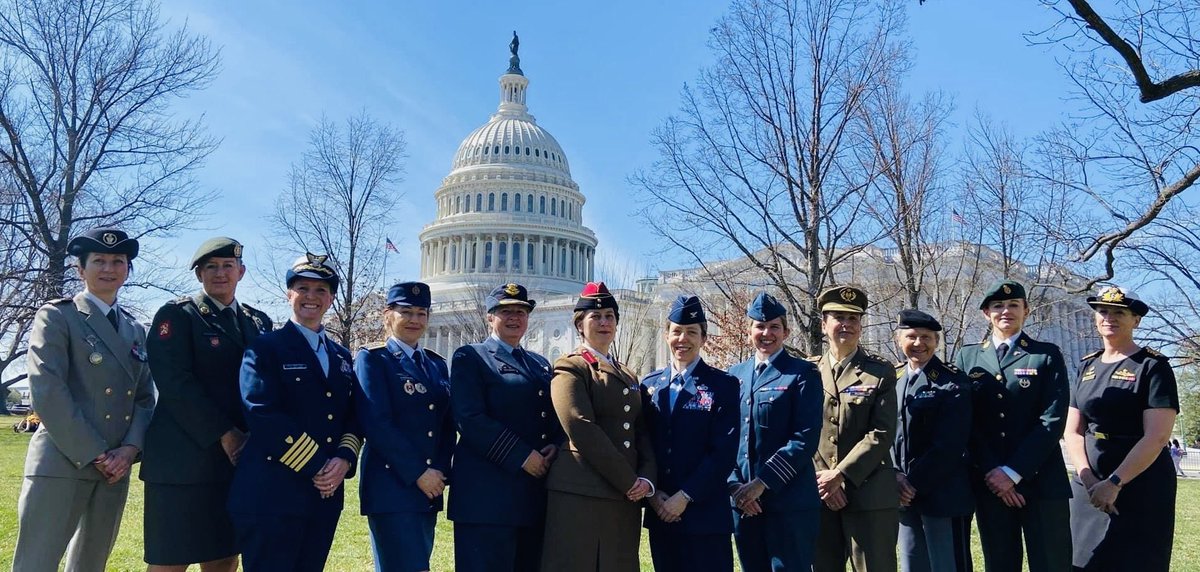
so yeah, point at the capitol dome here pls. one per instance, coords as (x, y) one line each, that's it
(509, 210)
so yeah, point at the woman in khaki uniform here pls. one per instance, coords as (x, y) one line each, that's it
(605, 469)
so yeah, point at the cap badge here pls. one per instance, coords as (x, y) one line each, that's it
(237, 251)
(1112, 294)
(848, 295)
(1006, 289)
(416, 290)
(693, 314)
(512, 289)
(109, 238)
(316, 259)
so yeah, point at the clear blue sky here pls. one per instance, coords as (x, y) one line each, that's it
(602, 77)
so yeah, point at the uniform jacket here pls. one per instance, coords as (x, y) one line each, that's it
(502, 412)
(1020, 411)
(931, 438)
(90, 385)
(695, 445)
(608, 442)
(299, 418)
(196, 356)
(780, 422)
(405, 413)
(859, 424)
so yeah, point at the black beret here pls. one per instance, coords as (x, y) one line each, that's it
(917, 319)
(219, 247)
(104, 241)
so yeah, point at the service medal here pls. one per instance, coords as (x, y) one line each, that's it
(96, 358)
(420, 387)
(1025, 383)
(408, 387)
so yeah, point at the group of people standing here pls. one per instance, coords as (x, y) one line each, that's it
(808, 462)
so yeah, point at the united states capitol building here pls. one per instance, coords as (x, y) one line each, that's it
(509, 211)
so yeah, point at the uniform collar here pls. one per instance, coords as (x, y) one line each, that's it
(100, 304)
(408, 350)
(221, 307)
(687, 370)
(313, 338)
(503, 344)
(770, 358)
(602, 357)
(1012, 341)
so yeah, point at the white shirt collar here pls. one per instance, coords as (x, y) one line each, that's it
(408, 350)
(604, 357)
(1012, 341)
(104, 307)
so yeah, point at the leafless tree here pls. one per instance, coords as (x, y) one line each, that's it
(758, 163)
(339, 198)
(88, 137)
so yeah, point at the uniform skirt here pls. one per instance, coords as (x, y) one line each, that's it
(589, 534)
(187, 524)
(1140, 537)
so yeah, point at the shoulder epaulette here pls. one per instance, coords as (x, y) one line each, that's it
(951, 367)
(181, 300)
(374, 346)
(875, 358)
(128, 313)
(794, 352)
(900, 364)
(59, 301)
(434, 354)
(1153, 352)
(1091, 355)
(250, 309)
(813, 359)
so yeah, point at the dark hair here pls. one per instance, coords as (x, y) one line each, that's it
(83, 259)
(703, 327)
(577, 317)
(782, 321)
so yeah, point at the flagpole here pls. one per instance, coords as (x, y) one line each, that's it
(386, 252)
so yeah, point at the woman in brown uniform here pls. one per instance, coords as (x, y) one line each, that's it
(597, 483)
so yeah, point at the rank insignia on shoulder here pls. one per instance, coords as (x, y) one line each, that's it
(951, 367)
(1024, 343)
(1091, 355)
(204, 309)
(591, 359)
(1154, 352)
(375, 346)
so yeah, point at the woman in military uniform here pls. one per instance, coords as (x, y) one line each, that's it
(934, 402)
(1019, 395)
(1122, 410)
(607, 466)
(405, 413)
(298, 391)
(90, 384)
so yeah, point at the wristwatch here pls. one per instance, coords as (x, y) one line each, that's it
(1114, 479)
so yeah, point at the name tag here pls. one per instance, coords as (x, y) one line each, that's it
(291, 366)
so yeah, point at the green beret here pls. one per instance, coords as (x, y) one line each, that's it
(842, 299)
(221, 246)
(1003, 290)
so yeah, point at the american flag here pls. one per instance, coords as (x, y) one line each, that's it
(389, 246)
(957, 217)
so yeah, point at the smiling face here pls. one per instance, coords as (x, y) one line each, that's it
(1007, 317)
(685, 342)
(406, 323)
(309, 299)
(1115, 325)
(219, 277)
(768, 337)
(104, 274)
(598, 328)
(509, 323)
(917, 344)
(843, 329)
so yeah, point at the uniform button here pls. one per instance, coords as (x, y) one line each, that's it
(541, 392)
(627, 445)
(1002, 416)
(999, 396)
(428, 461)
(129, 392)
(747, 402)
(431, 407)
(626, 425)
(387, 466)
(998, 376)
(108, 416)
(1002, 433)
(297, 379)
(543, 414)
(328, 394)
(108, 391)
(330, 416)
(625, 391)
(127, 418)
(668, 449)
(833, 419)
(429, 434)
(329, 439)
(543, 435)
(626, 408)
(747, 420)
(832, 439)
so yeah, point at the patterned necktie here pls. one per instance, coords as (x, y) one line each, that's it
(1001, 351)
(112, 318)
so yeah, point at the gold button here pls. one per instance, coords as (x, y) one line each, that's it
(328, 394)
(330, 416)
(832, 439)
(108, 391)
(626, 425)
(430, 433)
(998, 376)
(833, 419)
(329, 439)
(627, 408)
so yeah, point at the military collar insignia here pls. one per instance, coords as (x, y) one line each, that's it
(1024, 343)
(1025, 383)
(204, 309)
(933, 375)
(976, 374)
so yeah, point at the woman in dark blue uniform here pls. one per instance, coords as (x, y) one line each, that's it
(298, 391)
(405, 413)
(1122, 409)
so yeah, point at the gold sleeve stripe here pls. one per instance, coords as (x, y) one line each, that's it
(352, 442)
(302, 444)
(305, 458)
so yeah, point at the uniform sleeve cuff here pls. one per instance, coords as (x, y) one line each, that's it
(1015, 476)
(652, 488)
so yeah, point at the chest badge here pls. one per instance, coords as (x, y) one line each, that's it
(1089, 375)
(96, 358)
(409, 388)
(1125, 375)
(420, 387)
(1025, 383)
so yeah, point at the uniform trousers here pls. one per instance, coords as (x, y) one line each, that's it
(1046, 524)
(497, 548)
(934, 543)
(776, 541)
(284, 542)
(76, 516)
(673, 550)
(866, 537)
(402, 541)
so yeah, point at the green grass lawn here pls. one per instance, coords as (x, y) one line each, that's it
(352, 546)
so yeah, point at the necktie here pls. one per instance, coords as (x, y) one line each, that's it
(418, 358)
(112, 318)
(231, 320)
(519, 355)
(1001, 351)
(676, 387)
(758, 369)
(323, 355)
